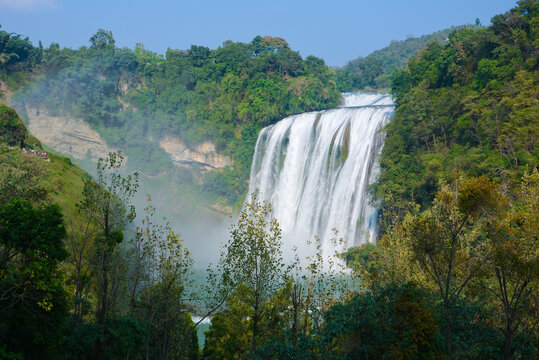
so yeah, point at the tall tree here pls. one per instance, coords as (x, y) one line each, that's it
(515, 264)
(159, 274)
(33, 301)
(102, 39)
(445, 241)
(106, 203)
(252, 257)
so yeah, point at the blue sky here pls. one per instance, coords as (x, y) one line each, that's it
(335, 30)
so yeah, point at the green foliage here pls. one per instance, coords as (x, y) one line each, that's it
(445, 243)
(252, 260)
(33, 301)
(472, 245)
(271, 311)
(105, 204)
(17, 58)
(21, 176)
(125, 338)
(159, 269)
(396, 323)
(32, 324)
(376, 70)
(466, 116)
(102, 39)
(467, 107)
(360, 257)
(12, 129)
(229, 335)
(515, 262)
(225, 183)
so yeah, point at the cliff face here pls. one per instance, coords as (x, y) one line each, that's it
(75, 137)
(67, 135)
(203, 155)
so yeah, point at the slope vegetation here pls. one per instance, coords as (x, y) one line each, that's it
(373, 71)
(469, 107)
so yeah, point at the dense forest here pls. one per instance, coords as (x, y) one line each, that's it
(467, 108)
(454, 275)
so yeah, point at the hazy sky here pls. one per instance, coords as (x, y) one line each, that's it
(335, 30)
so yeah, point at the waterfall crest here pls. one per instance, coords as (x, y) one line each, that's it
(314, 168)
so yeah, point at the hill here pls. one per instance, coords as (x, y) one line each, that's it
(372, 71)
(466, 108)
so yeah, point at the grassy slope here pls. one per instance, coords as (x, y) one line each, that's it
(64, 182)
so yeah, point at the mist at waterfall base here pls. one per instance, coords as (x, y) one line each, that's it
(315, 168)
(202, 234)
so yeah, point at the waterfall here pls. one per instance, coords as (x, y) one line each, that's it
(314, 168)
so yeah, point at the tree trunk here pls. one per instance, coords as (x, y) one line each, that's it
(147, 342)
(78, 295)
(165, 341)
(255, 333)
(255, 328)
(102, 308)
(507, 354)
(187, 339)
(447, 331)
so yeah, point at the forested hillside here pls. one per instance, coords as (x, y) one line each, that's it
(135, 98)
(466, 108)
(374, 70)
(144, 103)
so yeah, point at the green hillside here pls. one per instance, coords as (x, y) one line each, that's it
(373, 71)
(50, 179)
(469, 107)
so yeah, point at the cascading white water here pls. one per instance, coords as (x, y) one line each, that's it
(314, 168)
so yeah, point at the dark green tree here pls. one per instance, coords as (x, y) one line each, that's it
(33, 301)
(102, 39)
(12, 128)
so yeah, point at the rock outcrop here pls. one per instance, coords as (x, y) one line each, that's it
(67, 135)
(203, 155)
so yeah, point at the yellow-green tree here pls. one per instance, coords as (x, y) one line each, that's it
(252, 258)
(445, 240)
(515, 263)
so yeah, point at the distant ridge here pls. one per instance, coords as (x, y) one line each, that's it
(372, 72)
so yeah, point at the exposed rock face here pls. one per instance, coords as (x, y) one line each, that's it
(202, 154)
(65, 134)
